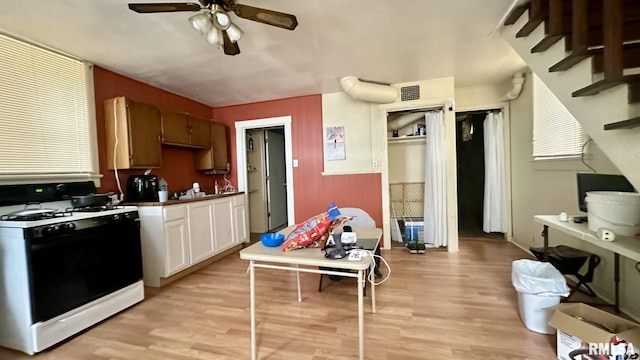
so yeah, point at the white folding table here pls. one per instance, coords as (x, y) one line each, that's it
(313, 260)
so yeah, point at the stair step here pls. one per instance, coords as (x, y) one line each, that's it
(538, 12)
(515, 14)
(596, 87)
(625, 124)
(568, 62)
(546, 43)
(604, 84)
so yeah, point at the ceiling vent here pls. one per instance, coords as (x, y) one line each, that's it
(408, 93)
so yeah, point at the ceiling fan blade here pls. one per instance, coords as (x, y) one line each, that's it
(269, 17)
(230, 48)
(163, 7)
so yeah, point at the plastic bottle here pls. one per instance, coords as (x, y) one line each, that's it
(216, 190)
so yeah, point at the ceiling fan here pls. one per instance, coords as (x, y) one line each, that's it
(214, 20)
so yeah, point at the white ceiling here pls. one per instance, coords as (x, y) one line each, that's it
(392, 41)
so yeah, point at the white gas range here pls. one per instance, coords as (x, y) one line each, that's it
(63, 269)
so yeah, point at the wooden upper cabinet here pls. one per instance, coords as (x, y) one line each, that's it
(184, 130)
(175, 128)
(133, 132)
(216, 157)
(199, 132)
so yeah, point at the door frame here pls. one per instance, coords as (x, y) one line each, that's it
(506, 118)
(241, 159)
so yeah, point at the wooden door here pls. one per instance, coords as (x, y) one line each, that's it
(175, 128)
(199, 132)
(144, 135)
(219, 145)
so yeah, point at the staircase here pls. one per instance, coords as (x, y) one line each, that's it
(588, 53)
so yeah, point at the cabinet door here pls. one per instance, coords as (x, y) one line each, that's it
(132, 134)
(241, 224)
(223, 214)
(177, 252)
(144, 125)
(216, 156)
(175, 128)
(219, 145)
(201, 243)
(199, 132)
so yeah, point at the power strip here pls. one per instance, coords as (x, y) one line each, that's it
(357, 254)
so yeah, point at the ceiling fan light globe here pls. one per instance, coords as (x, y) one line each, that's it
(221, 20)
(234, 32)
(200, 22)
(214, 37)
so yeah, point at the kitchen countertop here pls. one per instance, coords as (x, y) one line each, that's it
(184, 201)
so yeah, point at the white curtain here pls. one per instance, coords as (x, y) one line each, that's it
(495, 194)
(435, 192)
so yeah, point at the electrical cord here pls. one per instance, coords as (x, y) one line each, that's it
(227, 184)
(115, 149)
(582, 156)
(372, 271)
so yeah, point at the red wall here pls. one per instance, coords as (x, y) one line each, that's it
(178, 165)
(313, 191)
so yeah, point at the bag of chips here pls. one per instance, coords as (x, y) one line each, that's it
(311, 230)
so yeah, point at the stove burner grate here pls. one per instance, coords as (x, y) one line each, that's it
(33, 215)
(97, 208)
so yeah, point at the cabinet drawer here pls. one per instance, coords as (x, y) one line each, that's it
(173, 212)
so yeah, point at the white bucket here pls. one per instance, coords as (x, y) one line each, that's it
(614, 210)
(536, 310)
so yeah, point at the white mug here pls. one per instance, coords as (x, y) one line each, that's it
(163, 195)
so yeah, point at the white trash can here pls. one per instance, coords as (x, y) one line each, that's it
(539, 286)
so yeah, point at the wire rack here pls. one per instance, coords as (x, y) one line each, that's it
(407, 199)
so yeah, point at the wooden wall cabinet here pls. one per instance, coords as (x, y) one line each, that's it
(215, 157)
(133, 132)
(185, 130)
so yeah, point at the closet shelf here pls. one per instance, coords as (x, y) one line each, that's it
(417, 138)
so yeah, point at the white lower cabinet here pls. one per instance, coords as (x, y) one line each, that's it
(223, 219)
(201, 243)
(175, 237)
(241, 221)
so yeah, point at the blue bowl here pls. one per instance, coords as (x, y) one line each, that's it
(271, 239)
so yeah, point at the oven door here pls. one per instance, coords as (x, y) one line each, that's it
(72, 269)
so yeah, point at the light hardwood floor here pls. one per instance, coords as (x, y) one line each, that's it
(434, 306)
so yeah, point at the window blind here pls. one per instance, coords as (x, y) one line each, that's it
(556, 133)
(46, 126)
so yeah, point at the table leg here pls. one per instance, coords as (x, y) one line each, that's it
(298, 282)
(252, 292)
(545, 236)
(373, 297)
(361, 314)
(616, 278)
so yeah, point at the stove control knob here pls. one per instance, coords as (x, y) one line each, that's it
(68, 227)
(128, 216)
(50, 230)
(116, 218)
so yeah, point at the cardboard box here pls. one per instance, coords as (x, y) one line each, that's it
(581, 326)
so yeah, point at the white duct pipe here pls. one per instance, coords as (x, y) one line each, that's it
(366, 91)
(518, 82)
(403, 120)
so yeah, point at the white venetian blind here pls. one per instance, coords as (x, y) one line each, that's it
(556, 133)
(45, 124)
